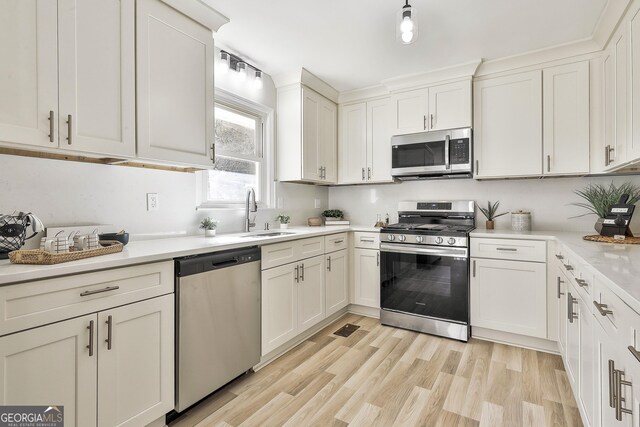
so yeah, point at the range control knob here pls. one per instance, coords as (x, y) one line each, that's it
(401, 238)
(419, 239)
(391, 237)
(451, 241)
(439, 240)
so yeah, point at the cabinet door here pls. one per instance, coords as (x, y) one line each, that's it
(136, 364)
(311, 293)
(353, 143)
(508, 125)
(617, 146)
(279, 306)
(410, 111)
(566, 119)
(450, 106)
(174, 76)
(379, 115)
(367, 277)
(561, 296)
(328, 140)
(587, 366)
(29, 78)
(51, 365)
(97, 76)
(509, 296)
(337, 281)
(572, 358)
(633, 147)
(608, 65)
(311, 156)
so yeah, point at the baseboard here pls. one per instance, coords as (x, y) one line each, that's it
(507, 338)
(364, 310)
(284, 348)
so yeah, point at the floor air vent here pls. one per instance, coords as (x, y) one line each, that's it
(346, 330)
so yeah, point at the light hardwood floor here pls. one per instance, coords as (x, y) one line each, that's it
(383, 376)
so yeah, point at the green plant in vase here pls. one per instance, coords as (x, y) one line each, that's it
(284, 220)
(209, 225)
(490, 212)
(599, 198)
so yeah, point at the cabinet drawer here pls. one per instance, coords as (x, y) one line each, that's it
(335, 242)
(517, 250)
(612, 313)
(291, 251)
(28, 305)
(366, 240)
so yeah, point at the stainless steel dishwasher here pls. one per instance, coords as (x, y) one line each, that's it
(217, 321)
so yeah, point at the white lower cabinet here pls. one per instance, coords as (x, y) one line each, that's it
(572, 348)
(337, 281)
(279, 306)
(311, 293)
(366, 265)
(509, 296)
(122, 358)
(587, 364)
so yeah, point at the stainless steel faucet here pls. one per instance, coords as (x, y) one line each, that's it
(249, 206)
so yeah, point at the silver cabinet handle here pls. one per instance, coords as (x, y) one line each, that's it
(570, 301)
(378, 259)
(320, 172)
(424, 120)
(548, 163)
(560, 281)
(337, 242)
(477, 167)
(612, 384)
(367, 240)
(606, 155)
(302, 272)
(297, 276)
(610, 150)
(620, 381)
(559, 256)
(582, 283)
(602, 308)
(568, 267)
(213, 153)
(431, 121)
(474, 268)
(109, 323)
(69, 128)
(363, 174)
(635, 352)
(99, 291)
(368, 173)
(329, 263)
(51, 126)
(90, 346)
(324, 172)
(507, 249)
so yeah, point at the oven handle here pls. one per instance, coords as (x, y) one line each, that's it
(411, 249)
(447, 143)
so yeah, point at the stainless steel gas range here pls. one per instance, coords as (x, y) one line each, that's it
(424, 269)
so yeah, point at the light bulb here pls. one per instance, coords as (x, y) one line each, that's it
(406, 26)
(223, 64)
(242, 70)
(407, 37)
(257, 82)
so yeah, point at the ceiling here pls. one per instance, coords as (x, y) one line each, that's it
(351, 44)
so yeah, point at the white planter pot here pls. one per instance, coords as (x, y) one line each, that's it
(284, 225)
(209, 233)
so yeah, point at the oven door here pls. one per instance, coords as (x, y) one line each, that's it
(426, 281)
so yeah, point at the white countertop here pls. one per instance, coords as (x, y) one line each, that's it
(146, 251)
(617, 265)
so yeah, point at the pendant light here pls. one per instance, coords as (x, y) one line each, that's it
(407, 25)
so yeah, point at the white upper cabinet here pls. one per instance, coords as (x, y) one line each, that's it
(410, 111)
(566, 119)
(633, 148)
(508, 125)
(29, 77)
(365, 142)
(616, 97)
(307, 131)
(450, 106)
(97, 76)
(174, 86)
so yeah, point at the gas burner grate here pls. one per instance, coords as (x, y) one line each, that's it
(346, 330)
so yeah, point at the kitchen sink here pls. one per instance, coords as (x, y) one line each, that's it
(268, 234)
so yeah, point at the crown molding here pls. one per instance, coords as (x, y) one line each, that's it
(305, 77)
(202, 11)
(440, 75)
(609, 20)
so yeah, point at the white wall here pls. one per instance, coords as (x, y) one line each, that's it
(547, 199)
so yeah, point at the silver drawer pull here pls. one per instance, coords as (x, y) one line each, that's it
(337, 242)
(507, 249)
(559, 256)
(635, 352)
(90, 346)
(109, 339)
(367, 240)
(99, 291)
(620, 381)
(568, 267)
(582, 283)
(602, 308)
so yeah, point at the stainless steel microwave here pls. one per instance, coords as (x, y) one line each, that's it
(427, 155)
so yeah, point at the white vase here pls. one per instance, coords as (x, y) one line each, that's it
(209, 233)
(284, 225)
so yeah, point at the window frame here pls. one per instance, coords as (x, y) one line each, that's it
(263, 115)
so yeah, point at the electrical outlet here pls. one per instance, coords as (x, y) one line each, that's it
(152, 201)
(316, 203)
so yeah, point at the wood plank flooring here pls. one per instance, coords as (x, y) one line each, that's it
(383, 376)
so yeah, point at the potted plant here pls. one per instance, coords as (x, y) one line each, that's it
(599, 198)
(333, 214)
(209, 225)
(490, 213)
(284, 220)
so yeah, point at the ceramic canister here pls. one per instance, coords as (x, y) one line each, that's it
(521, 221)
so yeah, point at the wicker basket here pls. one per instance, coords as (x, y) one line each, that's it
(40, 257)
(606, 239)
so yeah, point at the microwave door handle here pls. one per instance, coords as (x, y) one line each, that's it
(447, 141)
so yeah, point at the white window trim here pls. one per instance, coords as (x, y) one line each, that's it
(268, 153)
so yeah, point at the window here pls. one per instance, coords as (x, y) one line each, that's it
(240, 158)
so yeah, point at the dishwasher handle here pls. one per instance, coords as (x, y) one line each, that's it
(224, 264)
